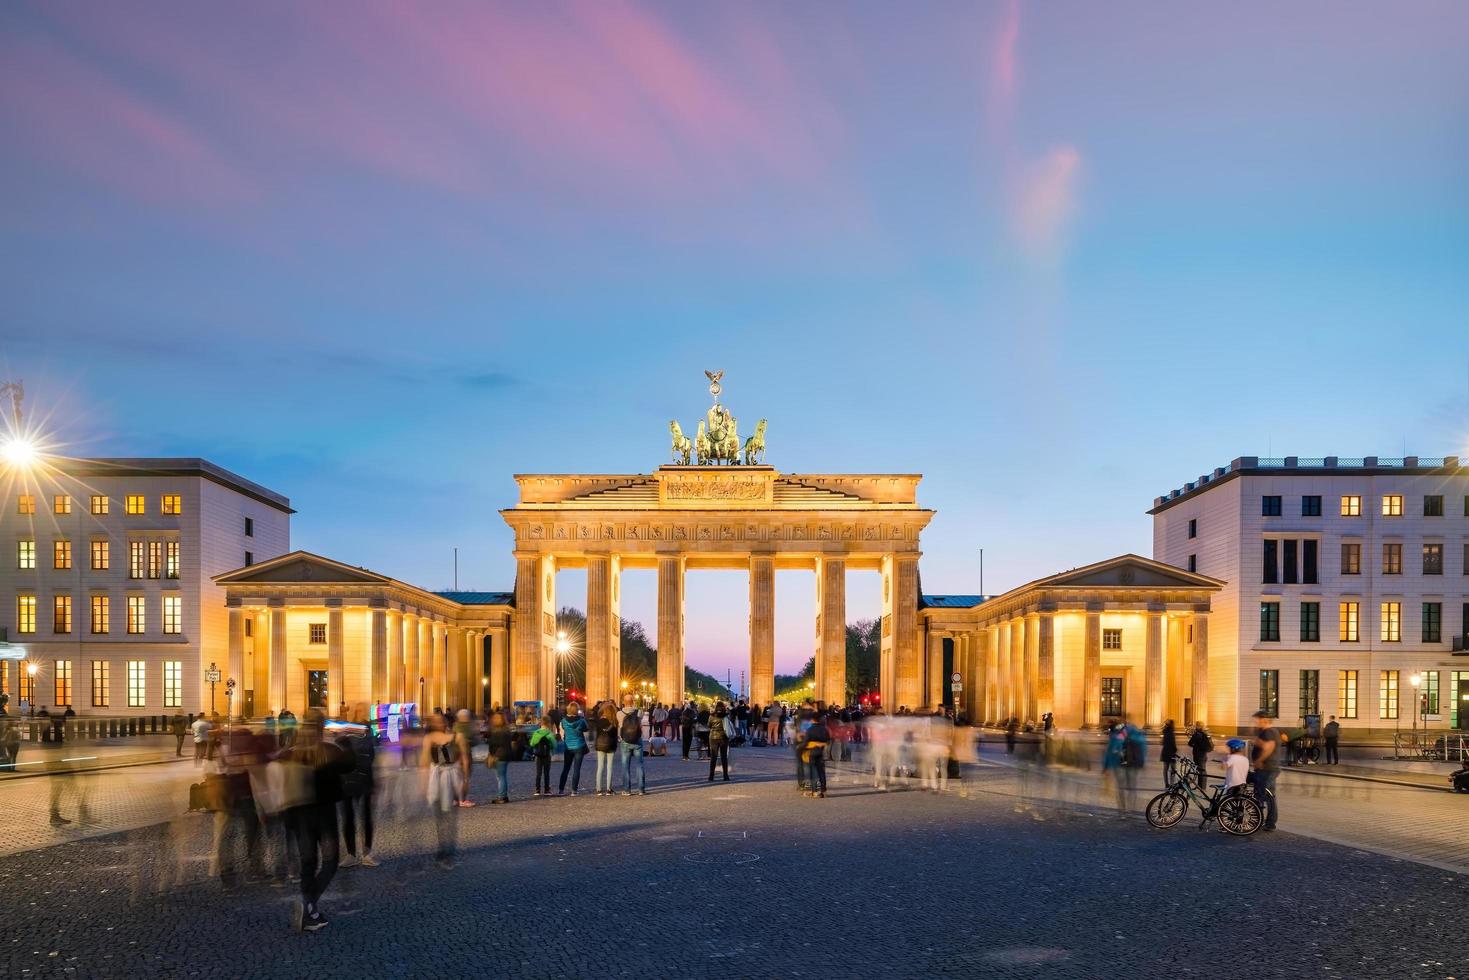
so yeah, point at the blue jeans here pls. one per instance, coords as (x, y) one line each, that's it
(501, 770)
(605, 763)
(1264, 782)
(633, 752)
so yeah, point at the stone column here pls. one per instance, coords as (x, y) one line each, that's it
(831, 657)
(396, 642)
(500, 665)
(1046, 664)
(378, 639)
(278, 688)
(670, 628)
(1091, 672)
(336, 664)
(762, 629)
(1004, 707)
(1032, 667)
(410, 659)
(533, 623)
(236, 663)
(907, 668)
(1153, 671)
(991, 639)
(1201, 668)
(440, 680)
(600, 679)
(456, 655)
(1018, 679)
(935, 671)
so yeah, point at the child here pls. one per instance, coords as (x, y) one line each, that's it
(1236, 772)
(542, 747)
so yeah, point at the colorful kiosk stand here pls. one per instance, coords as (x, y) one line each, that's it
(390, 721)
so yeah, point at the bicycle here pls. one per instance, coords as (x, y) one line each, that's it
(1238, 814)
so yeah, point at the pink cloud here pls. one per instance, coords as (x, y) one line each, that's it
(1044, 202)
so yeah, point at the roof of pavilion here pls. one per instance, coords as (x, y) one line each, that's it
(480, 598)
(305, 568)
(951, 601)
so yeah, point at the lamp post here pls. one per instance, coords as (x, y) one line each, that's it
(563, 647)
(229, 700)
(211, 675)
(31, 672)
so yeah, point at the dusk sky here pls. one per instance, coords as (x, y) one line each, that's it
(1059, 257)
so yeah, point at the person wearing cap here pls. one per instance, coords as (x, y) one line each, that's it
(1265, 755)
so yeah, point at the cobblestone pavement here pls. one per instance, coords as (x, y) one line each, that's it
(749, 879)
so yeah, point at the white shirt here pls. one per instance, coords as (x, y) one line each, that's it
(201, 729)
(1236, 769)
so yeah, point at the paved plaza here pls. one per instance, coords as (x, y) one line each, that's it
(1020, 873)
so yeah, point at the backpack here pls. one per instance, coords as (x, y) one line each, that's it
(631, 729)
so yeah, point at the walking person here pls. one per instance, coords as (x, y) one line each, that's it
(1332, 733)
(604, 739)
(1200, 744)
(719, 737)
(574, 735)
(358, 787)
(464, 732)
(178, 728)
(1114, 760)
(1169, 752)
(442, 781)
(500, 742)
(316, 768)
(542, 747)
(630, 748)
(1265, 758)
(812, 747)
(200, 731)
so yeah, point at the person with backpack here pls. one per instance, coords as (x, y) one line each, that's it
(500, 742)
(720, 727)
(1200, 744)
(604, 740)
(358, 787)
(630, 747)
(542, 747)
(317, 767)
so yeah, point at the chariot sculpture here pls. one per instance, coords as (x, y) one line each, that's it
(716, 441)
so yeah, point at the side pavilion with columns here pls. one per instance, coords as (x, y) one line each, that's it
(1124, 637)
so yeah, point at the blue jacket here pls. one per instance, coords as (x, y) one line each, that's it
(574, 731)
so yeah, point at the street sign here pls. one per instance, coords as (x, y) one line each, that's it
(211, 674)
(956, 687)
(954, 677)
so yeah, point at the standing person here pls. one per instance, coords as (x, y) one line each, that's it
(604, 736)
(1169, 752)
(1200, 744)
(1265, 756)
(686, 719)
(542, 747)
(1114, 758)
(464, 732)
(358, 787)
(441, 782)
(701, 731)
(742, 719)
(200, 730)
(630, 748)
(178, 727)
(1332, 733)
(660, 719)
(318, 769)
(719, 724)
(1012, 732)
(500, 742)
(812, 745)
(574, 734)
(772, 725)
(9, 745)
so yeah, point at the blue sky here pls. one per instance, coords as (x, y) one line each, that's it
(1059, 258)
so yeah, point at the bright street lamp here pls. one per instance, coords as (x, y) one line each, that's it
(20, 452)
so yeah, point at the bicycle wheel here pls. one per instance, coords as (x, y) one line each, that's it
(1312, 754)
(1239, 815)
(1166, 809)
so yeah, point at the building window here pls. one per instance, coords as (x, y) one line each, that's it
(25, 553)
(101, 684)
(137, 614)
(173, 683)
(25, 504)
(1392, 622)
(1193, 527)
(1430, 692)
(61, 614)
(155, 559)
(134, 505)
(137, 684)
(1270, 562)
(62, 679)
(1111, 705)
(250, 527)
(25, 614)
(101, 615)
(172, 504)
(1310, 622)
(318, 632)
(1346, 693)
(249, 558)
(135, 559)
(61, 554)
(249, 626)
(173, 614)
(1289, 563)
(1310, 700)
(61, 504)
(1392, 505)
(1111, 639)
(1270, 692)
(1351, 506)
(1387, 694)
(99, 505)
(1351, 558)
(1348, 622)
(101, 554)
(1269, 621)
(1392, 558)
(1433, 559)
(1311, 506)
(1193, 563)
(1310, 549)
(171, 560)
(1270, 506)
(1433, 622)
(1433, 505)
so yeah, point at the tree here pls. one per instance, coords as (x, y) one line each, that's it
(864, 655)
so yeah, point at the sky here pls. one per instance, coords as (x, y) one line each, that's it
(1059, 257)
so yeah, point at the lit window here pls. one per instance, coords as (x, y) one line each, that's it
(1269, 621)
(25, 504)
(1392, 505)
(1310, 622)
(1348, 622)
(1346, 693)
(171, 560)
(1433, 622)
(61, 614)
(25, 614)
(137, 614)
(101, 554)
(101, 615)
(155, 559)
(61, 504)
(1433, 505)
(171, 504)
(137, 684)
(63, 682)
(1433, 559)
(1430, 692)
(61, 554)
(1351, 558)
(1392, 558)
(173, 613)
(99, 505)
(101, 684)
(1111, 639)
(1392, 622)
(1351, 506)
(135, 559)
(134, 505)
(318, 632)
(1387, 694)
(25, 556)
(173, 683)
